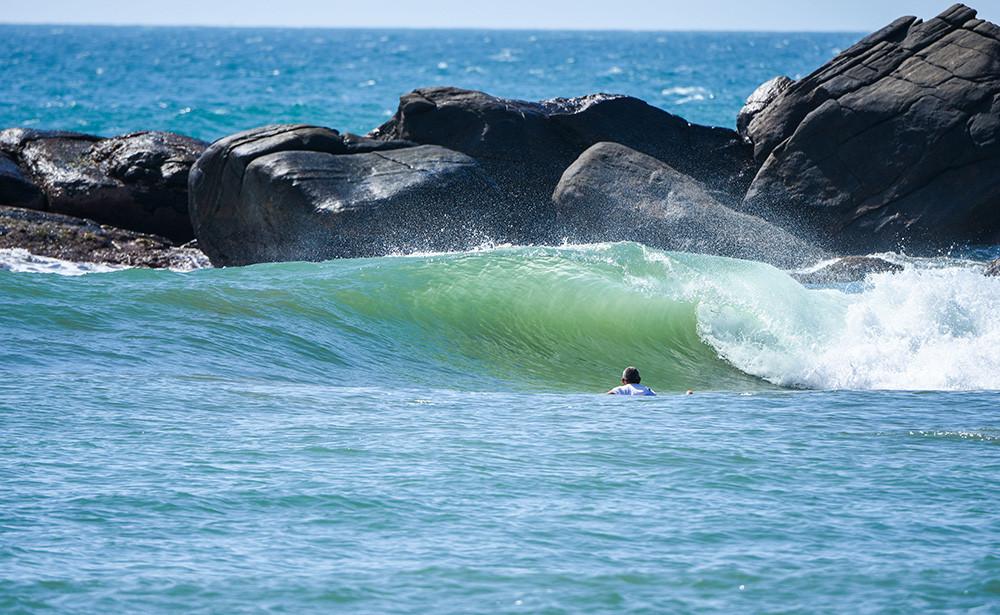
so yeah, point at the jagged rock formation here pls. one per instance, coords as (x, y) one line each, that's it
(80, 240)
(526, 146)
(136, 181)
(896, 141)
(993, 269)
(299, 192)
(614, 193)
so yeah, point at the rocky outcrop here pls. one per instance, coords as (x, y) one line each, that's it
(763, 96)
(297, 192)
(848, 269)
(136, 181)
(526, 146)
(993, 269)
(895, 142)
(614, 193)
(80, 240)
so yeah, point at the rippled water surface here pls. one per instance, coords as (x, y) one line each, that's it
(427, 434)
(209, 82)
(229, 495)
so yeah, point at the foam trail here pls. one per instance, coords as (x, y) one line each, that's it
(20, 260)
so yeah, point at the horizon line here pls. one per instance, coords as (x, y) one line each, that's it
(41, 24)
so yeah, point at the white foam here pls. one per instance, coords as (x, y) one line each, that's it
(933, 326)
(20, 260)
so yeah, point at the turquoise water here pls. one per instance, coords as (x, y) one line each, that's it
(208, 82)
(426, 433)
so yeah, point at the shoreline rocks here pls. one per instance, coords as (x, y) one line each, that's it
(526, 146)
(894, 143)
(299, 192)
(81, 240)
(136, 181)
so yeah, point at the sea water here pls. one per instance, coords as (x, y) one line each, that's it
(427, 433)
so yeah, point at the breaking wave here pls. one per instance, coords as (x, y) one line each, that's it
(560, 319)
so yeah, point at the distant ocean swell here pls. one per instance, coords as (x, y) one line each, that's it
(522, 319)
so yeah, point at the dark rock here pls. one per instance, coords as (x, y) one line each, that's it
(993, 269)
(217, 177)
(763, 96)
(136, 181)
(614, 193)
(13, 140)
(848, 269)
(895, 142)
(80, 240)
(526, 146)
(16, 189)
(297, 192)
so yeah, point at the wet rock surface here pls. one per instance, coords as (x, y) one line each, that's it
(136, 181)
(80, 240)
(307, 193)
(614, 193)
(893, 143)
(526, 146)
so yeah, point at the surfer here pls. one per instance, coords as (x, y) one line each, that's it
(630, 384)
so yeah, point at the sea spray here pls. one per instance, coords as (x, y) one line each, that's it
(923, 328)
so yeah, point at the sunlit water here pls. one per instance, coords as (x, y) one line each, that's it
(211, 82)
(426, 433)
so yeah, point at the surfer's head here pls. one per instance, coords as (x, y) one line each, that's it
(630, 376)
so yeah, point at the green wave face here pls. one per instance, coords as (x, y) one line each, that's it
(565, 319)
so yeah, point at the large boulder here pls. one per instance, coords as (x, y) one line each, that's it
(136, 181)
(614, 193)
(80, 240)
(526, 146)
(893, 143)
(298, 192)
(993, 268)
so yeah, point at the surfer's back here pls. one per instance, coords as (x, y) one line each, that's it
(632, 389)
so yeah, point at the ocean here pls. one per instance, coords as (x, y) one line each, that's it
(427, 433)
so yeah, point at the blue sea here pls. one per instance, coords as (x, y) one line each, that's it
(427, 433)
